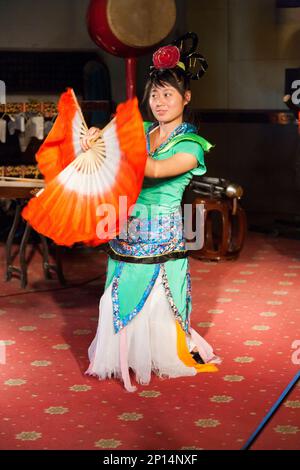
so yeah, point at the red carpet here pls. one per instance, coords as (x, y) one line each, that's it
(248, 309)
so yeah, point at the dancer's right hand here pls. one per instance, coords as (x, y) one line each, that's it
(91, 135)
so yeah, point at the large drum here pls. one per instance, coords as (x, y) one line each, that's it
(130, 28)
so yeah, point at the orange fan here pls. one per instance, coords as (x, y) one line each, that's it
(62, 145)
(90, 199)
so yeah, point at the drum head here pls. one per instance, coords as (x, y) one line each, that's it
(141, 23)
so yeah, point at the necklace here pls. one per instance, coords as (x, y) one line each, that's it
(183, 128)
(157, 140)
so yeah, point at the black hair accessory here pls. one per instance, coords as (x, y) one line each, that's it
(182, 44)
(195, 63)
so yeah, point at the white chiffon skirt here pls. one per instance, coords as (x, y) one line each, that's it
(150, 343)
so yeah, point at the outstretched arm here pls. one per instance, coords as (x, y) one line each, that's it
(173, 166)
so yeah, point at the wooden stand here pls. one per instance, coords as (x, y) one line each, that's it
(227, 242)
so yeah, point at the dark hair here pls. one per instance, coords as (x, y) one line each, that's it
(162, 77)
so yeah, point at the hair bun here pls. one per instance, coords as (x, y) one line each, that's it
(181, 53)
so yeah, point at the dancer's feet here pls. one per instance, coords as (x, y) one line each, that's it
(197, 357)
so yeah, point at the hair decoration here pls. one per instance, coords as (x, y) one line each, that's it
(182, 53)
(183, 45)
(197, 66)
(167, 57)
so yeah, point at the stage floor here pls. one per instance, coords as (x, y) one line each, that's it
(247, 309)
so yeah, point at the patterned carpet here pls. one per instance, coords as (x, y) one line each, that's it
(248, 309)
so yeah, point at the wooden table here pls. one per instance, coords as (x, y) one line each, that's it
(21, 190)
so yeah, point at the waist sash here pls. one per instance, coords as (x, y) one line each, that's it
(150, 240)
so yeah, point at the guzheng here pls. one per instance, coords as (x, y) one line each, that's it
(19, 188)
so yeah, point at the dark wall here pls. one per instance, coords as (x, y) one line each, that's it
(264, 158)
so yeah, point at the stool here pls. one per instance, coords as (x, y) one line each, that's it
(228, 242)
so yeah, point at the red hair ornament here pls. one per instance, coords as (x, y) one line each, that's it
(167, 57)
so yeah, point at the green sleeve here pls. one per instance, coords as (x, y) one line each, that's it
(147, 124)
(194, 149)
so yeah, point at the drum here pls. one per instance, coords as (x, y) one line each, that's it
(130, 28)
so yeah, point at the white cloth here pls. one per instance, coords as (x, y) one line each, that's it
(151, 340)
(3, 131)
(20, 122)
(37, 129)
(25, 137)
(34, 127)
(17, 123)
(47, 127)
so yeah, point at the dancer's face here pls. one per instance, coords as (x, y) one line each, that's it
(167, 104)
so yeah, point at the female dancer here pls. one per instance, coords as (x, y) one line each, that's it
(144, 319)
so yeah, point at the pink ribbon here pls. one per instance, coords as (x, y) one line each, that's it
(124, 362)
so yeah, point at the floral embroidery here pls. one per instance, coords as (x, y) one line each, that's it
(188, 293)
(160, 235)
(118, 323)
(184, 323)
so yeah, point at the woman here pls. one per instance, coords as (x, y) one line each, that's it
(144, 321)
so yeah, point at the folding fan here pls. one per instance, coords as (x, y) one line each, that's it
(83, 202)
(62, 144)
